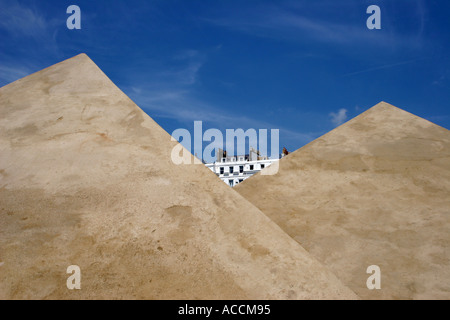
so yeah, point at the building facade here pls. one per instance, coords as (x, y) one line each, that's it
(235, 169)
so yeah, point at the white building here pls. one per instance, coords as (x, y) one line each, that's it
(235, 169)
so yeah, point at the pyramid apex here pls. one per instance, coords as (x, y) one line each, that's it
(384, 109)
(384, 105)
(86, 142)
(82, 56)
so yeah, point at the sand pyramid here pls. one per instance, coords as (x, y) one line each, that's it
(375, 191)
(86, 179)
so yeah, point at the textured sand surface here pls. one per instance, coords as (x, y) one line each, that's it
(375, 191)
(86, 179)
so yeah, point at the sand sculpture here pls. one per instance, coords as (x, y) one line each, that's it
(374, 191)
(86, 179)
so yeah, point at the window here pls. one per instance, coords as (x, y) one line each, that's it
(262, 166)
(231, 182)
(231, 169)
(241, 169)
(241, 180)
(251, 167)
(222, 170)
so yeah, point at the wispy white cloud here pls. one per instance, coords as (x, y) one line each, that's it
(22, 20)
(290, 21)
(183, 107)
(339, 118)
(172, 94)
(179, 71)
(443, 79)
(167, 92)
(136, 90)
(185, 76)
(26, 26)
(438, 118)
(294, 27)
(386, 66)
(9, 73)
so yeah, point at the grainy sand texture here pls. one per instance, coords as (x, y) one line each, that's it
(86, 179)
(374, 191)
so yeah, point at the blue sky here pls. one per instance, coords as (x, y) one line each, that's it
(302, 67)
